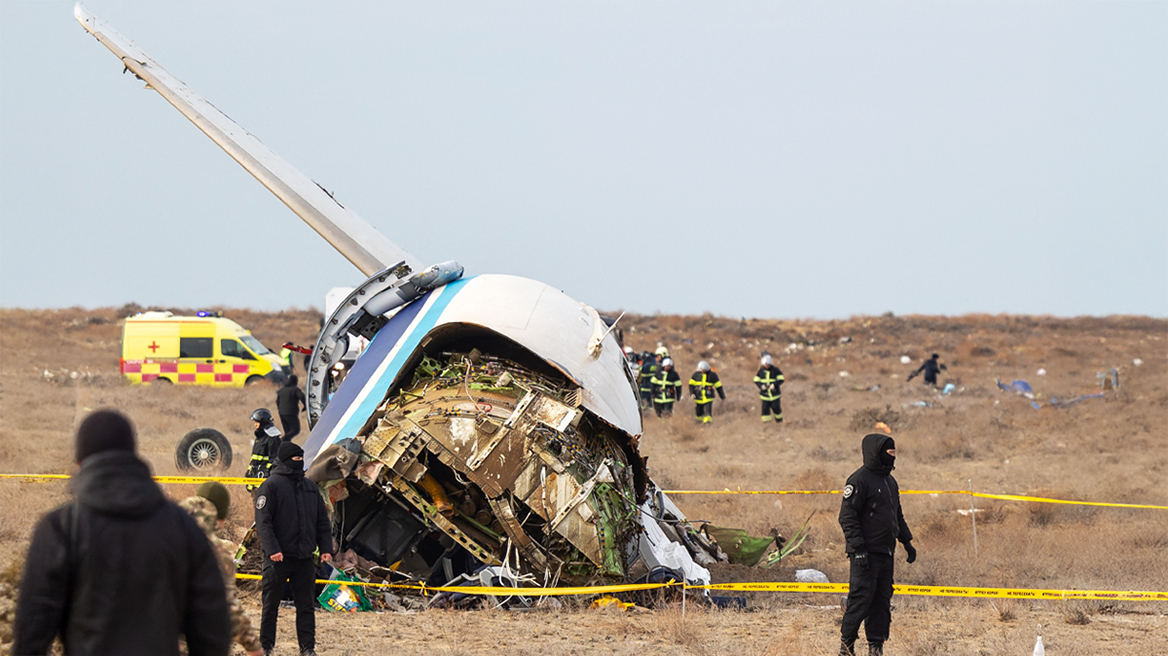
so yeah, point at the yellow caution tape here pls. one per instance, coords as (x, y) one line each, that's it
(498, 591)
(226, 480)
(773, 586)
(946, 591)
(983, 495)
(239, 480)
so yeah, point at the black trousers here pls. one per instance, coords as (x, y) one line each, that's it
(291, 426)
(869, 600)
(301, 573)
(775, 406)
(663, 409)
(704, 410)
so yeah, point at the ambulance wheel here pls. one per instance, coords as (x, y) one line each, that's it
(163, 380)
(252, 380)
(203, 449)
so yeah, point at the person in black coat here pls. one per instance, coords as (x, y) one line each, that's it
(931, 367)
(872, 523)
(290, 401)
(263, 449)
(120, 569)
(293, 524)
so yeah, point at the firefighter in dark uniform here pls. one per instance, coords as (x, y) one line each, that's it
(872, 522)
(931, 367)
(293, 524)
(649, 368)
(770, 381)
(702, 387)
(263, 450)
(666, 389)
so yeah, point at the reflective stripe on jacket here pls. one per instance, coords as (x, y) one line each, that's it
(769, 381)
(702, 387)
(666, 386)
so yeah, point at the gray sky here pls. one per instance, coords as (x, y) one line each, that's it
(759, 159)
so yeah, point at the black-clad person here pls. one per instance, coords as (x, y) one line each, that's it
(293, 524)
(872, 523)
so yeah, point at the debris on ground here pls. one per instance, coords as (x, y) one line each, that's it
(810, 576)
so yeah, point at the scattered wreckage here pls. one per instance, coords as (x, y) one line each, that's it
(492, 421)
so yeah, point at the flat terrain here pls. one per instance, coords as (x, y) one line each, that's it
(55, 366)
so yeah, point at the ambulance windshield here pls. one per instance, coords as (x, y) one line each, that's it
(254, 345)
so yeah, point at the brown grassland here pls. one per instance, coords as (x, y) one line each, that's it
(1102, 450)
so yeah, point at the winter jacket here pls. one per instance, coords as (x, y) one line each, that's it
(648, 370)
(666, 386)
(290, 515)
(770, 383)
(263, 452)
(289, 400)
(703, 385)
(120, 570)
(870, 513)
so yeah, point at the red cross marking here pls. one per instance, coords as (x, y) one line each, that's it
(153, 346)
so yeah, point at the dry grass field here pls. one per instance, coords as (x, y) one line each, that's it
(1113, 449)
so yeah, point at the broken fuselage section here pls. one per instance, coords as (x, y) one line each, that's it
(478, 435)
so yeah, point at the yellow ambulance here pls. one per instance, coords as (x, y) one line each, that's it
(199, 350)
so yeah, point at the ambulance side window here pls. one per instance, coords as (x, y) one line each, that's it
(196, 347)
(234, 349)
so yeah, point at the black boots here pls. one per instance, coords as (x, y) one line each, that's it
(848, 647)
(875, 649)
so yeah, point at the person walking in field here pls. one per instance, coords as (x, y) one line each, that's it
(120, 569)
(290, 401)
(263, 449)
(931, 367)
(702, 387)
(209, 507)
(650, 365)
(293, 524)
(872, 522)
(770, 381)
(666, 389)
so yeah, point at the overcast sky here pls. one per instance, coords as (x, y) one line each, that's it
(758, 159)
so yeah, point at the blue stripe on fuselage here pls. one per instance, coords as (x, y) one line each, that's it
(360, 387)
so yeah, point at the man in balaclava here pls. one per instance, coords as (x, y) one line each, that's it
(119, 533)
(293, 524)
(872, 522)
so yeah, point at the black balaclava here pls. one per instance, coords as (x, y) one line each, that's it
(885, 458)
(104, 430)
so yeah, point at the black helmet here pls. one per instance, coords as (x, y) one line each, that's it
(262, 415)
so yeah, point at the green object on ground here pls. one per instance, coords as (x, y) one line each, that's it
(339, 597)
(739, 546)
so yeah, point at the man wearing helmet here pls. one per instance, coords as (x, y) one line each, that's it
(263, 450)
(666, 389)
(702, 386)
(769, 381)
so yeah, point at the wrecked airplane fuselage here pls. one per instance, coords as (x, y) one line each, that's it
(508, 428)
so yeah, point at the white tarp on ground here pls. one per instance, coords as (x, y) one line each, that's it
(659, 550)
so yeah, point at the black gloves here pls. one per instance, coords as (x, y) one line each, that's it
(860, 558)
(911, 551)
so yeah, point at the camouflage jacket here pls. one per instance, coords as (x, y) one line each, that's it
(205, 516)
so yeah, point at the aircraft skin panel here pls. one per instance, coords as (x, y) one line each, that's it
(352, 236)
(557, 328)
(365, 386)
(540, 318)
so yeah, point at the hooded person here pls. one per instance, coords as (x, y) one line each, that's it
(293, 525)
(872, 523)
(120, 569)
